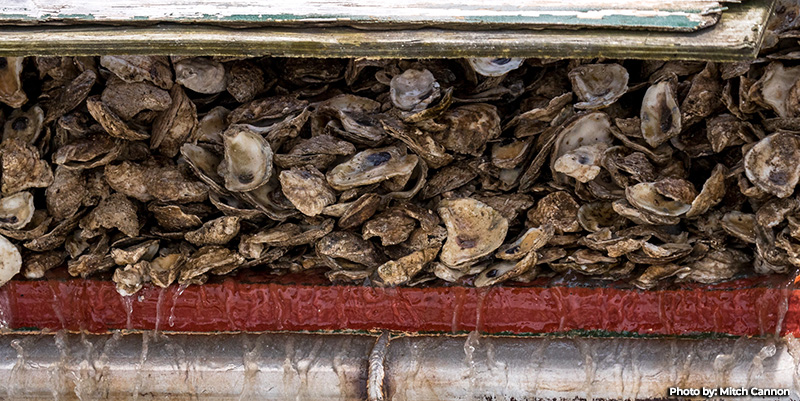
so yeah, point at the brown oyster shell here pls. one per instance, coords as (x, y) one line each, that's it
(559, 209)
(469, 128)
(22, 167)
(200, 74)
(350, 247)
(173, 126)
(371, 166)
(307, 189)
(771, 164)
(474, 230)
(413, 90)
(660, 115)
(25, 126)
(154, 69)
(126, 100)
(11, 92)
(392, 227)
(154, 180)
(219, 231)
(598, 85)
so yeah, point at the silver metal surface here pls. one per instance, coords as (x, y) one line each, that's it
(337, 367)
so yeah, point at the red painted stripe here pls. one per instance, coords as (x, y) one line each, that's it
(258, 302)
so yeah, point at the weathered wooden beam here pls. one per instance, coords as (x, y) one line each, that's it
(737, 36)
(681, 15)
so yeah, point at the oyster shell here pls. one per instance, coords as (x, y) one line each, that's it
(10, 260)
(775, 88)
(247, 164)
(22, 167)
(349, 247)
(474, 230)
(669, 197)
(392, 227)
(413, 90)
(598, 85)
(126, 100)
(370, 167)
(11, 92)
(25, 126)
(584, 130)
(469, 128)
(660, 115)
(154, 179)
(219, 231)
(771, 164)
(494, 67)
(154, 69)
(307, 189)
(245, 80)
(16, 211)
(581, 163)
(66, 194)
(200, 74)
(559, 209)
(173, 126)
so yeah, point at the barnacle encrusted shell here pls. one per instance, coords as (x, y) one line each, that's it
(772, 164)
(494, 66)
(10, 260)
(247, 164)
(598, 85)
(307, 189)
(16, 210)
(660, 115)
(474, 230)
(370, 167)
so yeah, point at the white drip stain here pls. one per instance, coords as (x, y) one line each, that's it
(470, 345)
(140, 367)
(16, 384)
(127, 301)
(250, 363)
(5, 309)
(161, 295)
(175, 297)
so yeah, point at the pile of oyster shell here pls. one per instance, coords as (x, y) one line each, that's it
(400, 172)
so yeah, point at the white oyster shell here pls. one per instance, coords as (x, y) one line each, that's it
(493, 66)
(10, 260)
(247, 163)
(16, 210)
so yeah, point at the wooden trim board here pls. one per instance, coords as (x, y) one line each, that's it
(737, 36)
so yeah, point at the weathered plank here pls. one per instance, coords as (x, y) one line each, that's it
(682, 15)
(736, 37)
